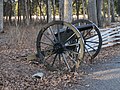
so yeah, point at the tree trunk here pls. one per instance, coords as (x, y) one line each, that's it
(42, 16)
(27, 12)
(83, 7)
(54, 10)
(10, 12)
(23, 10)
(30, 10)
(109, 19)
(61, 9)
(40, 6)
(1, 15)
(104, 12)
(118, 5)
(77, 8)
(19, 11)
(92, 11)
(99, 13)
(68, 10)
(49, 17)
(112, 11)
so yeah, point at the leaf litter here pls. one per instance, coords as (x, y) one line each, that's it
(16, 72)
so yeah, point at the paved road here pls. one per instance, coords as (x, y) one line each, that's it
(103, 76)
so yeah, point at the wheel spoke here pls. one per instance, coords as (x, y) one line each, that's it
(53, 34)
(75, 44)
(54, 60)
(87, 33)
(90, 47)
(47, 52)
(92, 41)
(58, 31)
(72, 51)
(69, 38)
(71, 58)
(65, 60)
(46, 43)
(59, 56)
(49, 38)
(47, 58)
(83, 33)
(91, 36)
(88, 52)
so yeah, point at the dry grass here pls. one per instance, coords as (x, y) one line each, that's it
(21, 37)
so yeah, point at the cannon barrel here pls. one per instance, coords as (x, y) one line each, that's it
(68, 32)
(85, 27)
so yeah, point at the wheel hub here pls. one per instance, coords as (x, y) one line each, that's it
(58, 48)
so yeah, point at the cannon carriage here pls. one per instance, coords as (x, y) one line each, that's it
(62, 45)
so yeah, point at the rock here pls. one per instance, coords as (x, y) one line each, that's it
(31, 57)
(38, 75)
(87, 85)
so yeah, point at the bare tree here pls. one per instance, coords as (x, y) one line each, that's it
(77, 8)
(27, 12)
(40, 3)
(109, 19)
(99, 12)
(1, 15)
(104, 12)
(19, 16)
(49, 13)
(54, 9)
(61, 9)
(112, 11)
(83, 6)
(118, 5)
(68, 10)
(92, 11)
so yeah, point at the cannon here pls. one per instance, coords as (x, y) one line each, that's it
(61, 45)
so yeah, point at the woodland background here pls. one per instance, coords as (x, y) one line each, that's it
(26, 12)
(22, 19)
(20, 22)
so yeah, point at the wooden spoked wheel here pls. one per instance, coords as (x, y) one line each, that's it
(55, 49)
(92, 38)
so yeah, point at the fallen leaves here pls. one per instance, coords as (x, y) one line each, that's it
(16, 71)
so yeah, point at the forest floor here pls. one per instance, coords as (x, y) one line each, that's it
(16, 72)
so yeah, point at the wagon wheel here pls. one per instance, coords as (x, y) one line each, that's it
(92, 39)
(54, 47)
